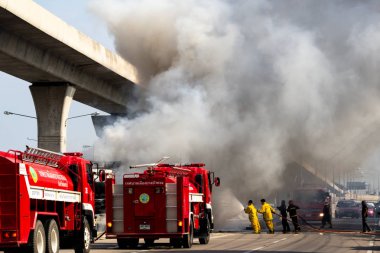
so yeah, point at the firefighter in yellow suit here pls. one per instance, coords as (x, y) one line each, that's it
(253, 218)
(267, 211)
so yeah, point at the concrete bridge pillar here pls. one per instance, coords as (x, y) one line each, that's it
(52, 103)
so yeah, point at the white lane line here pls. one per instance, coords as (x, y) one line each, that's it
(266, 245)
(279, 240)
(220, 236)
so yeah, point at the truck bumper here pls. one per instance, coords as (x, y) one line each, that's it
(9, 245)
(145, 235)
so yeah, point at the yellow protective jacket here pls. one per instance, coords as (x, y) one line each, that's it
(267, 211)
(251, 211)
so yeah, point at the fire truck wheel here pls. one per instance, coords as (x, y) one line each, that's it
(38, 238)
(52, 245)
(125, 243)
(188, 239)
(83, 245)
(176, 242)
(206, 239)
(148, 242)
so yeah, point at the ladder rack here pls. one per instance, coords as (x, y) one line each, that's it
(42, 156)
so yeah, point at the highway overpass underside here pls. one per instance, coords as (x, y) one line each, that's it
(62, 64)
(297, 176)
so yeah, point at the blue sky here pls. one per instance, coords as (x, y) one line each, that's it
(15, 95)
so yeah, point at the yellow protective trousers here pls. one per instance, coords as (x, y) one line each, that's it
(256, 226)
(270, 226)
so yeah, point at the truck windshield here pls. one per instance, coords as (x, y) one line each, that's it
(90, 177)
(209, 180)
(346, 204)
(310, 196)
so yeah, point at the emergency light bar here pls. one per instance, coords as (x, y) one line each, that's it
(181, 169)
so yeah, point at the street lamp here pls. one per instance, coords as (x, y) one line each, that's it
(78, 116)
(22, 115)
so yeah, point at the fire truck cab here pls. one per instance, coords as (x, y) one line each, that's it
(164, 201)
(311, 201)
(46, 201)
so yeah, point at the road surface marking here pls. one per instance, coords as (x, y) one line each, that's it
(279, 240)
(220, 236)
(266, 245)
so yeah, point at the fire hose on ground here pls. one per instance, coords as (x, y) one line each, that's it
(97, 238)
(327, 231)
(307, 224)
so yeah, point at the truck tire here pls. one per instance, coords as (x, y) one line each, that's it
(125, 243)
(38, 239)
(149, 242)
(52, 236)
(188, 239)
(206, 239)
(176, 242)
(84, 242)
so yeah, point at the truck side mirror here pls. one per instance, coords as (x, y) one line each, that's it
(102, 175)
(217, 181)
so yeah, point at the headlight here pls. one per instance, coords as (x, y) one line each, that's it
(321, 215)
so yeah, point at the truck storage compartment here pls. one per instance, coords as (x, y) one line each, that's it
(8, 198)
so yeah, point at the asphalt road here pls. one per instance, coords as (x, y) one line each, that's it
(247, 242)
(344, 237)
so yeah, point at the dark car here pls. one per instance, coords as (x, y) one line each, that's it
(377, 209)
(348, 208)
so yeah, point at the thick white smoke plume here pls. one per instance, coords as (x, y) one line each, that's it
(247, 86)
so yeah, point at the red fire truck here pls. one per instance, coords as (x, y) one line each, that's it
(46, 199)
(164, 201)
(311, 201)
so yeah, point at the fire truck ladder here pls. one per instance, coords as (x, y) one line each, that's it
(42, 156)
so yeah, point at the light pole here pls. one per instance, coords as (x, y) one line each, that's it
(83, 115)
(22, 115)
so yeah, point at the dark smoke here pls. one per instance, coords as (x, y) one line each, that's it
(248, 86)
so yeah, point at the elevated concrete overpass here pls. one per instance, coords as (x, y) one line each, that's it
(62, 64)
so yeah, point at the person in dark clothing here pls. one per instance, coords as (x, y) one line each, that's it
(284, 216)
(326, 215)
(292, 210)
(364, 217)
